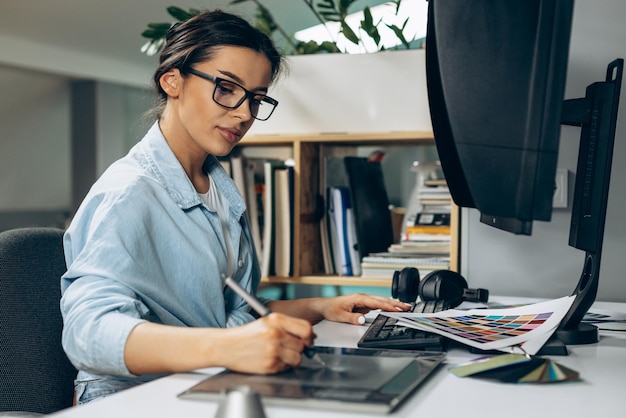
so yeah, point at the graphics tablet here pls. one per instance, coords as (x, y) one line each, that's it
(352, 379)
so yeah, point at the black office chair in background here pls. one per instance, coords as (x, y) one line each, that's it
(35, 374)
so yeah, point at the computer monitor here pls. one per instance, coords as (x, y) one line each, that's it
(496, 72)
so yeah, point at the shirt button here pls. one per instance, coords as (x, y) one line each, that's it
(240, 263)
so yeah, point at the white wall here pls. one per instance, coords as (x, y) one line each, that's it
(543, 265)
(34, 140)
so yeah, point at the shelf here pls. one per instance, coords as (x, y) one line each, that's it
(354, 138)
(306, 151)
(332, 280)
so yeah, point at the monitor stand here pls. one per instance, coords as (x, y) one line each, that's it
(596, 114)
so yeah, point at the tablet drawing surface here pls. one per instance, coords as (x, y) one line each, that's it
(365, 380)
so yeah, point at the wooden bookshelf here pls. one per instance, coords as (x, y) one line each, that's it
(306, 152)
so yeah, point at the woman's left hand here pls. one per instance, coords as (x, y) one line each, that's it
(351, 308)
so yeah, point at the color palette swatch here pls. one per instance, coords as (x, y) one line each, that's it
(516, 368)
(486, 328)
(520, 329)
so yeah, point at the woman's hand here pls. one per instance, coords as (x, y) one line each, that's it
(270, 344)
(351, 308)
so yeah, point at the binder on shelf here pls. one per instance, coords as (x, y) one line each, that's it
(345, 252)
(370, 203)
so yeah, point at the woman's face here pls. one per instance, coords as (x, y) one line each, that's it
(192, 121)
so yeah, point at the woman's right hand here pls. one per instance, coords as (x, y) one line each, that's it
(268, 345)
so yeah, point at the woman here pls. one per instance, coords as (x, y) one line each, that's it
(151, 245)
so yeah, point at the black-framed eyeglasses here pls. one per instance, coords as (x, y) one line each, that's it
(231, 95)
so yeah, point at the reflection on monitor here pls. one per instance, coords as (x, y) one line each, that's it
(496, 74)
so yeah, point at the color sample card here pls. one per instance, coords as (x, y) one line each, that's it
(516, 368)
(520, 329)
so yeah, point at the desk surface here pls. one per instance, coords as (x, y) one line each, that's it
(602, 368)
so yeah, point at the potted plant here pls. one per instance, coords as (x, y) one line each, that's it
(329, 13)
(336, 92)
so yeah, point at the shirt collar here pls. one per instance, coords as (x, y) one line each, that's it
(168, 170)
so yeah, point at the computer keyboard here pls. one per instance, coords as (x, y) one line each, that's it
(384, 332)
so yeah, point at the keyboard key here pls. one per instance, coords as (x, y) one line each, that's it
(384, 332)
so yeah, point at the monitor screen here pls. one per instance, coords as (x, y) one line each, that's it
(496, 73)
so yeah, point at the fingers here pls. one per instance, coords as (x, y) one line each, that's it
(351, 308)
(272, 344)
(356, 319)
(364, 303)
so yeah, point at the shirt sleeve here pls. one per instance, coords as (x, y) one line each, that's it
(99, 309)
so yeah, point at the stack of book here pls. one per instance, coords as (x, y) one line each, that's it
(428, 232)
(425, 240)
(386, 263)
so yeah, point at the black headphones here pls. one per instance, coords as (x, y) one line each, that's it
(445, 285)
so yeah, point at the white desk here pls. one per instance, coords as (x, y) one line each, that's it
(599, 393)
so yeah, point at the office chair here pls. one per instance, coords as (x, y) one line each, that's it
(35, 375)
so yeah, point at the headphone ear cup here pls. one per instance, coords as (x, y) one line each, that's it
(405, 283)
(445, 285)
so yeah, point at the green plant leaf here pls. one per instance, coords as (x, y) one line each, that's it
(265, 21)
(153, 34)
(160, 26)
(349, 33)
(368, 26)
(312, 47)
(180, 14)
(399, 33)
(327, 10)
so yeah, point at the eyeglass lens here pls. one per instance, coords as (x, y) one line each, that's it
(232, 95)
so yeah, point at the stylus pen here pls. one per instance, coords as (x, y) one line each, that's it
(263, 310)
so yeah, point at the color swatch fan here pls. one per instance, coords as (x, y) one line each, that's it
(516, 368)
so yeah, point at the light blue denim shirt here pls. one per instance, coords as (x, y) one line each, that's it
(144, 247)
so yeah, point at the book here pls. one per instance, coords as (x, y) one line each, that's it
(435, 182)
(324, 224)
(386, 272)
(382, 264)
(332, 174)
(441, 262)
(353, 246)
(255, 212)
(238, 176)
(432, 219)
(268, 226)
(421, 248)
(283, 221)
(425, 237)
(343, 243)
(428, 229)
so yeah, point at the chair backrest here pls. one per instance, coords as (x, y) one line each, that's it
(35, 374)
